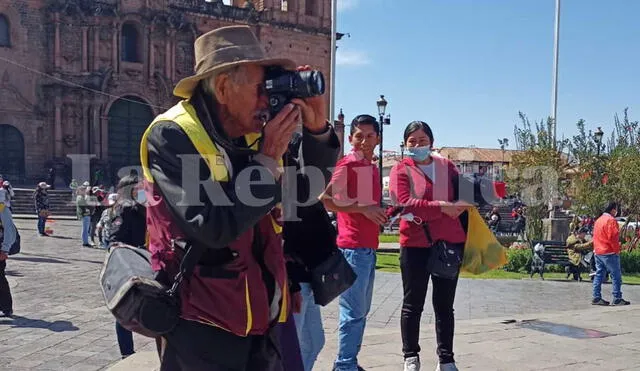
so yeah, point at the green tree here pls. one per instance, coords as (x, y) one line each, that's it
(537, 173)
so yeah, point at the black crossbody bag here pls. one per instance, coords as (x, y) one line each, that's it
(445, 259)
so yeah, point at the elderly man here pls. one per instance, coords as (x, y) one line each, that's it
(577, 246)
(213, 177)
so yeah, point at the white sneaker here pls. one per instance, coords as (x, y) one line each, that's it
(446, 367)
(412, 364)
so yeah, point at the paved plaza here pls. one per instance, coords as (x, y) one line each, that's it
(61, 322)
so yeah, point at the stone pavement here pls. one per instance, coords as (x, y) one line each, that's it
(61, 321)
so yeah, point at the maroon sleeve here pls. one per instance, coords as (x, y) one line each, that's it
(400, 193)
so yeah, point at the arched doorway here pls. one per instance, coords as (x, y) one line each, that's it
(12, 149)
(129, 116)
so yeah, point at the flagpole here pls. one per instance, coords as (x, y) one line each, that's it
(334, 35)
(556, 48)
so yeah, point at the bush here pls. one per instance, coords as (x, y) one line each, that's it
(518, 260)
(630, 261)
(506, 241)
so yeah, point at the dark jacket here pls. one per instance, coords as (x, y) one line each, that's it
(129, 224)
(312, 239)
(218, 228)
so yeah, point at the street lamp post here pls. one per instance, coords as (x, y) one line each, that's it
(402, 150)
(382, 106)
(597, 136)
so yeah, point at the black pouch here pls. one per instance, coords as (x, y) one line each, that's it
(331, 278)
(445, 259)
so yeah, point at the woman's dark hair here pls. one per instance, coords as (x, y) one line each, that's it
(124, 189)
(611, 206)
(415, 126)
(365, 120)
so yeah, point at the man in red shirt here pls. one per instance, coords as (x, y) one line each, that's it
(354, 194)
(606, 248)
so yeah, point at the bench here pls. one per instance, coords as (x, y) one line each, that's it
(555, 252)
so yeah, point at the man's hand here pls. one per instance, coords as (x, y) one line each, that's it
(374, 213)
(313, 110)
(3, 256)
(277, 132)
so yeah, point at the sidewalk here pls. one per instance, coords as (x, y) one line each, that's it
(603, 338)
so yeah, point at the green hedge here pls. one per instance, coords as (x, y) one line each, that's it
(519, 260)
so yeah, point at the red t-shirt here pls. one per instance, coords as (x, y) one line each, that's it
(356, 181)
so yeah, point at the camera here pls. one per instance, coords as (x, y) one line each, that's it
(282, 85)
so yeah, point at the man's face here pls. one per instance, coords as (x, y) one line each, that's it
(242, 99)
(364, 139)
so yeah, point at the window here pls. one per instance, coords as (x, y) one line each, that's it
(5, 39)
(130, 43)
(284, 5)
(310, 7)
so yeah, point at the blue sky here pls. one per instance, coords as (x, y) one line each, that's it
(467, 67)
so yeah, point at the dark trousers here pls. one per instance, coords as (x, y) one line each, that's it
(41, 224)
(415, 279)
(6, 303)
(193, 346)
(125, 340)
(291, 357)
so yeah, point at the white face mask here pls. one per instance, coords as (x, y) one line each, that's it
(141, 196)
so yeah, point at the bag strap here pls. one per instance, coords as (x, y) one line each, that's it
(425, 227)
(187, 264)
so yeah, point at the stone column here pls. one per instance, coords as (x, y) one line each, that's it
(104, 140)
(96, 129)
(86, 126)
(167, 56)
(85, 49)
(115, 47)
(173, 54)
(57, 127)
(56, 41)
(96, 48)
(151, 61)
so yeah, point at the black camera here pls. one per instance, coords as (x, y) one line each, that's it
(282, 85)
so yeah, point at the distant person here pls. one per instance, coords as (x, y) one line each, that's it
(51, 177)
(41, 202)
(128, 225)
(577, 247)
(606, 246)
(8, 238)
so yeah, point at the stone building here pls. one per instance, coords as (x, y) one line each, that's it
(83, 77)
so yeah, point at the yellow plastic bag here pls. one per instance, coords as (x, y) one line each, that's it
(482, 251)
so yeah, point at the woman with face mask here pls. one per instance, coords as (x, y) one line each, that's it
(424, 184)
(128, 225)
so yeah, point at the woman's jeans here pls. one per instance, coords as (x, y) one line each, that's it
(309, 327)
(415, 280)
(42, 220)
(86, 223)
(125, 340)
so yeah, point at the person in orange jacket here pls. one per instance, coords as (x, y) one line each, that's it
(606, 247)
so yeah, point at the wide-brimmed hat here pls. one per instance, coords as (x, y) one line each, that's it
(222, 49)
(43, 185)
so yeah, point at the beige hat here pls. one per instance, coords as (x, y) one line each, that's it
(222, 49)
(43, 185)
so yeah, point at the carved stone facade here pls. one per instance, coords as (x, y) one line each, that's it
(75, 71)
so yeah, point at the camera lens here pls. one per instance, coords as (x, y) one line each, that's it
(309, 83)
